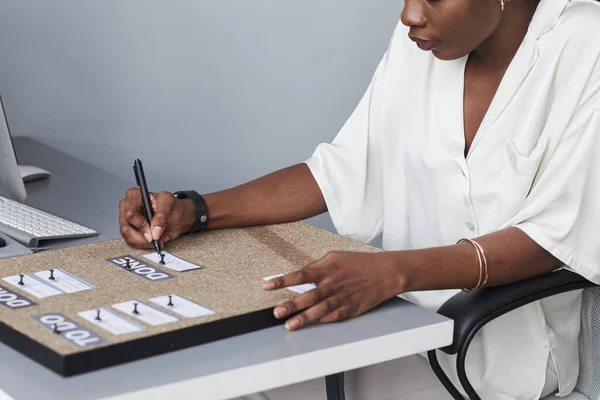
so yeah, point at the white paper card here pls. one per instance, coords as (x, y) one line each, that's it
(172, 262)
(302, 288)
(33, 285)
(145, 313)
(64, 281)
(110, 321)
(296, 289)
(182, 306)
(268, 278)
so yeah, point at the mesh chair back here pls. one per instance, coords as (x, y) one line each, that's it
(588, 383)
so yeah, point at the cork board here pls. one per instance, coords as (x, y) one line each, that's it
(234, 263)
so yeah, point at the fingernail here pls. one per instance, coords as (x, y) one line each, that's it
(156, 232)
(279, 312)
(292, 324)
(268, 285)
(147, 237)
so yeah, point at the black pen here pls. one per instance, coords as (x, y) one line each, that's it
(140, 178)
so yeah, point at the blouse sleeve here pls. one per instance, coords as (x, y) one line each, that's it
(562, 211)
(348, 170)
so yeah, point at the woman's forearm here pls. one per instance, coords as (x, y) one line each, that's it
(287, 195)
(512, 256)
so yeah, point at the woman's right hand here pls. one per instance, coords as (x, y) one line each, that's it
(172, 217)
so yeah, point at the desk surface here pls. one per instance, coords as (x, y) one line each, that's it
(76, 191)
(219, 370)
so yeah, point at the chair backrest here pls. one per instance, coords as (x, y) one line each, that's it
(588, 383)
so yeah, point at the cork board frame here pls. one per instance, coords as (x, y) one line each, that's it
(234, 261)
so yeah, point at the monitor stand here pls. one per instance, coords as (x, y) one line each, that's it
(30, 173)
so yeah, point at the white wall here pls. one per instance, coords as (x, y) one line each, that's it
(208, 93)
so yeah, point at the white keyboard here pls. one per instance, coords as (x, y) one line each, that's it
(29, 225)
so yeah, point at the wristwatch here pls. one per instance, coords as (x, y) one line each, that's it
(201, 209)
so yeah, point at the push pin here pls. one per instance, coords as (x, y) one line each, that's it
(21, 281)
(98, 315)
(162, 259)
(170, 301)
(56, 329)
(52, 278)
(128, 266)
(135, 310)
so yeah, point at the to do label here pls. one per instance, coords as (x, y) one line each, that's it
(140, 268)
(10, 299)
(69, 330)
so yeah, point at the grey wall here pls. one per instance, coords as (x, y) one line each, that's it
(209, 94)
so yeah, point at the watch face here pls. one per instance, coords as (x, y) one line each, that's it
(180, 195)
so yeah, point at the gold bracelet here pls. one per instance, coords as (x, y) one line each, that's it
(485, 264)
(480, 264)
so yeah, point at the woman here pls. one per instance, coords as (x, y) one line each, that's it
(474, 154)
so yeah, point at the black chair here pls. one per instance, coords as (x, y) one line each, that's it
(471, 311)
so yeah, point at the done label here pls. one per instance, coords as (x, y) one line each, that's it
(140, 268)
(69, 330)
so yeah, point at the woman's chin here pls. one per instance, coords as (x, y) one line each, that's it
(446, 55)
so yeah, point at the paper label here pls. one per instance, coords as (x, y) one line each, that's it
(145, 313)
(181, 306)
(140, 268)
(172, 262)
(110, 321)
(69, 330)
(63, 281)
(296, 289)
(302, 288)
(33, 285)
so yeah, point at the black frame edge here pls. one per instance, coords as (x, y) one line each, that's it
(146, 347)
(32, 349)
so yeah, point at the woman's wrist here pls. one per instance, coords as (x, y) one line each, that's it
(438, 268)
(392, 269)
(188, 214)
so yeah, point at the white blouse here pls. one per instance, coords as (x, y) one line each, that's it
(397, 168)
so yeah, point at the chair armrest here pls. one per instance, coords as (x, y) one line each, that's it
(472, 310)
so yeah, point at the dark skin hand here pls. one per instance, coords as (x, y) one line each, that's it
(347, 283)
(287, 195)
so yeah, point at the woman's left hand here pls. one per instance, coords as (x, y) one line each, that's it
(348, 284)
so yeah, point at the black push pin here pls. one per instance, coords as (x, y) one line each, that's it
(21, 281)
(170, 301)
(56, 329)
(128, 266)
(135, 310)
(162, 259)
(98, 315)
(52, 278)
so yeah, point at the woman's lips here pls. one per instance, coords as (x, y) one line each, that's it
(423, 44)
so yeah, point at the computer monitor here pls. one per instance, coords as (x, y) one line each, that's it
(11, 182)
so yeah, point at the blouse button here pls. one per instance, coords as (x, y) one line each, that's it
(470, 226)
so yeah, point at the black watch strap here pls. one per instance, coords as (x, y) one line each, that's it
(201, 209)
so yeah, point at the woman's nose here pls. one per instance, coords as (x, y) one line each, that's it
(413, 15)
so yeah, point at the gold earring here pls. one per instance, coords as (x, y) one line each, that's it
(502, 3)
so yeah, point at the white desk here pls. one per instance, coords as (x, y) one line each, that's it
(219, 370)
